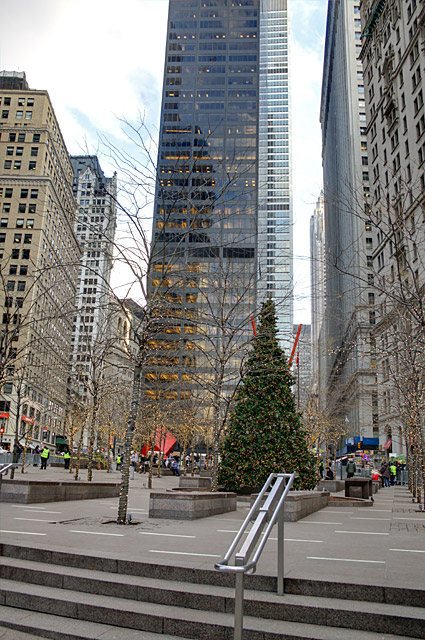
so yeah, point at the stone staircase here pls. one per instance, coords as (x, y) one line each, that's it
(70, 596)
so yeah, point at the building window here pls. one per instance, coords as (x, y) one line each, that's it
(22, 284)
(13, 269)
(19, 223)
(36, 137)
(32, 165)
(34, 193)
(28, 238)
(19, 115)
(17, 164)
(28, 115)
(5, 114)
(8, 164)
(17, 238)
(4, 222)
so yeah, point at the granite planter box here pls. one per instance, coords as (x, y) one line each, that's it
(190, 505)
(195, 482)
(358, 488)
(299, 504)
(32, 491)
(334, 486)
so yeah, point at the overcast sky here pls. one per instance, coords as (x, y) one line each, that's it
(102, 59)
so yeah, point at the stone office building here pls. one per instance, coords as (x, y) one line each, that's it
(39, 257)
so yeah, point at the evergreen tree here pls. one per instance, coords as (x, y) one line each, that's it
(264, 434)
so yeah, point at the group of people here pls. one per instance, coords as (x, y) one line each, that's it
(388, 473)
(142, 463)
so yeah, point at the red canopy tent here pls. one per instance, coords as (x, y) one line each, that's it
(166, 440)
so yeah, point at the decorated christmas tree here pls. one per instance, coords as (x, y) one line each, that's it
(265, 434)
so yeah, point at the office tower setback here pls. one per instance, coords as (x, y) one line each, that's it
(39, 259)
(348, 376)
(222, 223)
(95, 226)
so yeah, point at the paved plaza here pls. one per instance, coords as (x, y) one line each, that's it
(382, 545)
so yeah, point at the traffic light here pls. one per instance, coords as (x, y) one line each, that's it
(1, 430)
(359, 445)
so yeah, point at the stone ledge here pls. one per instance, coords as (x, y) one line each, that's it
(33, 491)
(333, 486)
(190, 505)
(196, 482)
(299, 504)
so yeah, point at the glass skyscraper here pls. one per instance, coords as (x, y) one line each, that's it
(222, 237)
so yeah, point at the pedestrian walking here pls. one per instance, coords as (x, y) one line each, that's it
(118, 462)
(44, 456)
(67, 458)
(134, 458)
(393, 473)
(350, 468)
(385, 472)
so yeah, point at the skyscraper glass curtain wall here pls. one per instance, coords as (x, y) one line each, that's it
(222, 221)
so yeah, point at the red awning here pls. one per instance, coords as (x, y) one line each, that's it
(162, 440)
(388, 443)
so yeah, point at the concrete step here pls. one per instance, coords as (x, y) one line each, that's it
(196, 625)
(333, 612)
(18, 624)
(296, 586)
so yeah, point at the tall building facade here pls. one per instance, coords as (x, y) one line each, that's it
(302, 367)
(349, 374)
(39, 257)
(222, 222)
(393, 57)
(318, 292)
(95, 225)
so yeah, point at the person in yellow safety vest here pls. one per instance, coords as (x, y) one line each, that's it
(67, 458)
(118, 462)
(393, 473)
(44, 455)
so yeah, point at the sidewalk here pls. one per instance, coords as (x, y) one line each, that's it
(382, 545)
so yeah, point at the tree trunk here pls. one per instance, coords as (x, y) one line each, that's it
(125, 465)
(18, 411)
(79, 447)
(150, 473)
(91, 437)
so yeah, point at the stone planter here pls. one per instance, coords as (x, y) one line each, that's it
(333, 486)
(195, 482)
(299, 504)
(190, 505)
(33, 491)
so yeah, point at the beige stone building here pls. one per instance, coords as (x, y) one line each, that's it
(393, 54)
(38, 268)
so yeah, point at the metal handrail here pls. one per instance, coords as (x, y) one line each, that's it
(8, 466)
(255, 542)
